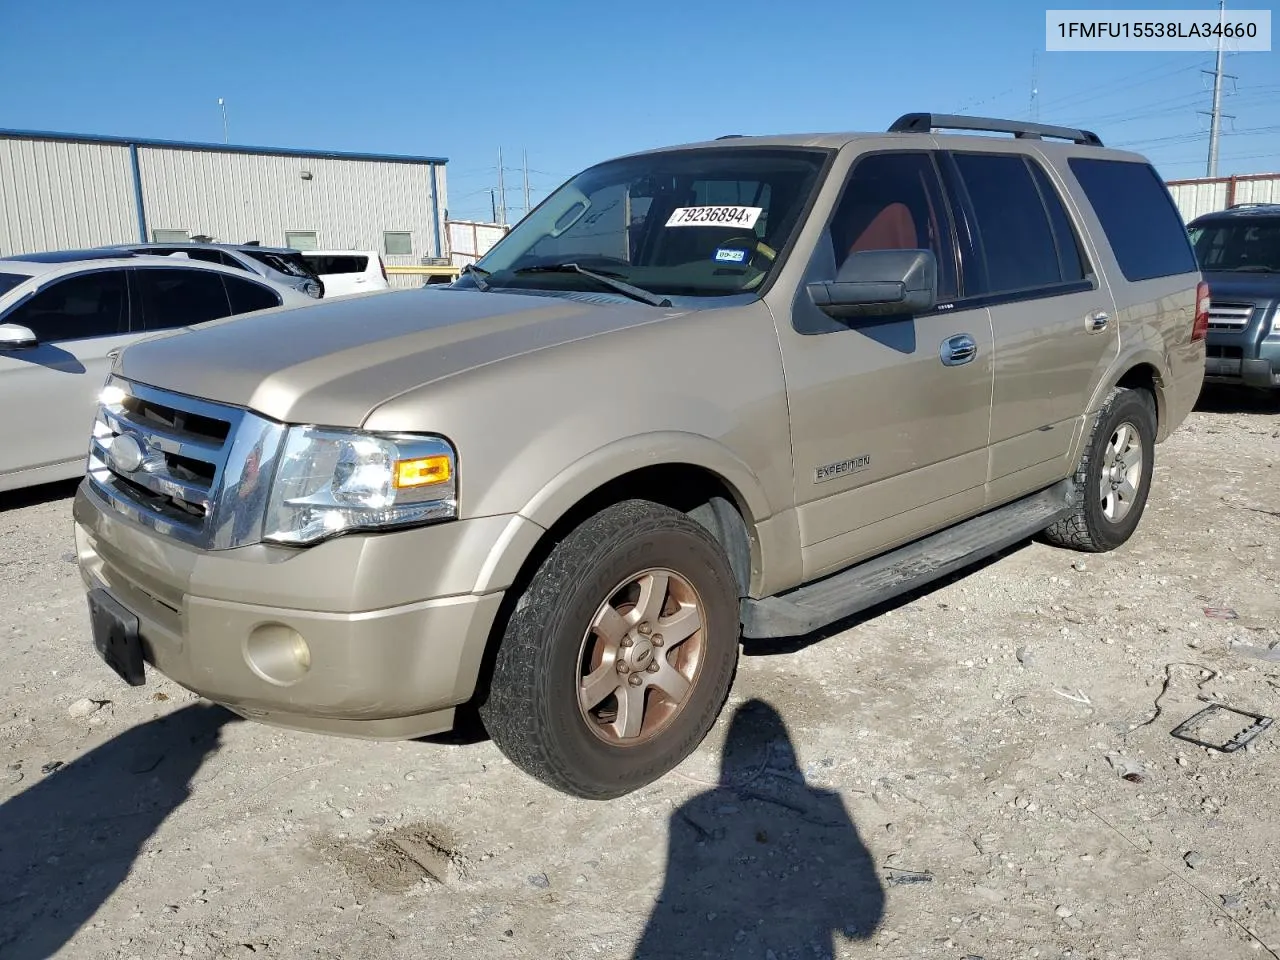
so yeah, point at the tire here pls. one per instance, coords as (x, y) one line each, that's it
(536, 706)
(1089, 527)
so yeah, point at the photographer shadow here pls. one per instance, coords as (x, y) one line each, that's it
(763, 863)
(70, 839)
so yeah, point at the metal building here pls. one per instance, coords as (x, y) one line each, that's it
(1208, 194)
(63, 191)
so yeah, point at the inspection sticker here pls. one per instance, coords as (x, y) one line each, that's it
(744, 217)
(729, 255)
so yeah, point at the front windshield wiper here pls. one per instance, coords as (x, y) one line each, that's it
(624, 288)
(479, 273)
(1255, 268)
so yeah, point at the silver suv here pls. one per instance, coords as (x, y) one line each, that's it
(281, 265)
(738, 389)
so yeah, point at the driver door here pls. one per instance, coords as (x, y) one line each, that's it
(49, 391)
(890, 422)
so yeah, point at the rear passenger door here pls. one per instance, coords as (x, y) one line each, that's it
(48, 391)
(1051, 315)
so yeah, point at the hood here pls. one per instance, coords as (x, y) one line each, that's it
(1260, 288)
(334, 361)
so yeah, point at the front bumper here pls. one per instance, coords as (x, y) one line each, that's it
(372, 636)
(1249, 356)
(1260, 372)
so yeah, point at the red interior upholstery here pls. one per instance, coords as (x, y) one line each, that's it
(891, 229)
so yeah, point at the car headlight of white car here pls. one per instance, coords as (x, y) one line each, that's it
(329, 482)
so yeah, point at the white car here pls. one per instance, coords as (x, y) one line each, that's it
(344, 272)
(62, 314)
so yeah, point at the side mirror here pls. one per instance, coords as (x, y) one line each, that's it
(15, 337)
(880, 283)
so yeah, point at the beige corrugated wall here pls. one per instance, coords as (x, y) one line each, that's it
(56, 195)
(236, 197)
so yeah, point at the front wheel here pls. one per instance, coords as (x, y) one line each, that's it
(1114, 477)
(619, 654)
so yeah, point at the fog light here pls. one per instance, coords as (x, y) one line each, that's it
(277, 653)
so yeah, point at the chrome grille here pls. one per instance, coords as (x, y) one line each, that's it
(1229, 316)
(189, 469)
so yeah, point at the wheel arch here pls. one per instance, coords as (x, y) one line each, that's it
(1144, 370)
(720, 493)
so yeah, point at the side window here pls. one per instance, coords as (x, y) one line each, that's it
(174, 297)
(397, 243)
(77, 308)
(246, 295)
(1012, 225)
(1070, 258)
(329, 264)
(1138, 216)
(301, 239)
(893, 201)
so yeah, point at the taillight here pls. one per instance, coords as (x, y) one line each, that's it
(1200, 329)
(383, 267)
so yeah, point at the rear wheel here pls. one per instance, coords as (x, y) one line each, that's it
(619, 654)
(1114, 476)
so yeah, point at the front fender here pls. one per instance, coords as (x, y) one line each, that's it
(592, 471)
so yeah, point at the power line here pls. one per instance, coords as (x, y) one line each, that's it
(1119, 85)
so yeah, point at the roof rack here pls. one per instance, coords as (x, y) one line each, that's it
(926, 122)
(1251, 205)
(730, 136)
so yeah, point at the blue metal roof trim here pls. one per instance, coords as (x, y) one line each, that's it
(216, 147)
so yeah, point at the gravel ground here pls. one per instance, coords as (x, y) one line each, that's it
(984, 770)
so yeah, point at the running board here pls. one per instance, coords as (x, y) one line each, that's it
(815, 605)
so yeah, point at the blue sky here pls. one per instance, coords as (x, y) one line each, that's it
(572, 82)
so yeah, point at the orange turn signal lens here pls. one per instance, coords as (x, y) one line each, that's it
(423, 472)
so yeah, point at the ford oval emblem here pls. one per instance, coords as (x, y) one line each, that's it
(125, 453)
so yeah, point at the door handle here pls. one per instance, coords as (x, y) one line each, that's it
(958, 349)
(1097, 322)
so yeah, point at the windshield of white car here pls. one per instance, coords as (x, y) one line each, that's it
(10, 280)
(708, 222)
(1240, 247)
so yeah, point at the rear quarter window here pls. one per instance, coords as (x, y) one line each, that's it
(1141, 222)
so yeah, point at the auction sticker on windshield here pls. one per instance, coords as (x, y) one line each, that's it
(744, 217)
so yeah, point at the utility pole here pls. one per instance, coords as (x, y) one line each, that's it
(502, 192)
(223, 104)
(493, 205)
(1035, 91)
(1215, 120)
(526, 183)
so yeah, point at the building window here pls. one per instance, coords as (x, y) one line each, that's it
(397, 243)
(170, 236)
(301, 239)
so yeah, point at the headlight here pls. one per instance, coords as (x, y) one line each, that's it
(312, 289)
(338, 481)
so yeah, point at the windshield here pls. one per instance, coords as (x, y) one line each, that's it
(10, 280)
(705, 223)
(1241, 246)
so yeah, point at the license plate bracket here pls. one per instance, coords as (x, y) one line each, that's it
(116, 638)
